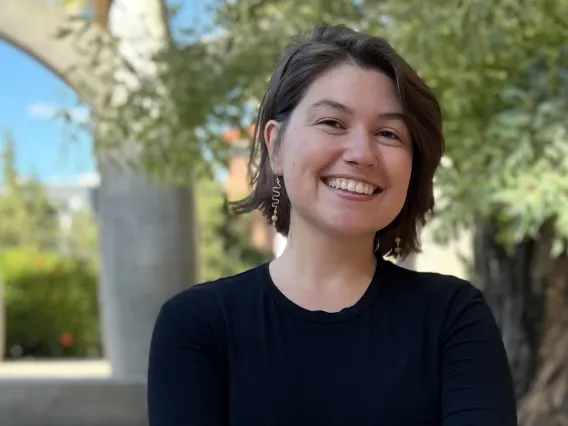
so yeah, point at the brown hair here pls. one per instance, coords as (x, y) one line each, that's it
(302, 64)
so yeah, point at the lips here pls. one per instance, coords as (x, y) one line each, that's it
(352, 185)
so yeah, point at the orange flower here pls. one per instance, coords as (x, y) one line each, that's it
(66, 340)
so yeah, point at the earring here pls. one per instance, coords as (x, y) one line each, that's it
(377, 244)
(276, 199)
(397, 250)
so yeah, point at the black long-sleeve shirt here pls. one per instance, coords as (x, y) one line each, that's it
(418, 349)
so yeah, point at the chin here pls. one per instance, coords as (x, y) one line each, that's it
(351, 228)
(352, 225)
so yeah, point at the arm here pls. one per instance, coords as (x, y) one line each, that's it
(185, 380)
(477, 388)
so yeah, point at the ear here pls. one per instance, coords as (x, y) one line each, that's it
(271, 138)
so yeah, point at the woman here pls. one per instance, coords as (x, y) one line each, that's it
(330, 333)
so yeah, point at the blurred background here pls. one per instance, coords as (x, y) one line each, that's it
(125, 133)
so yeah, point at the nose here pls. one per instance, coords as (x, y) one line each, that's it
(361, 150)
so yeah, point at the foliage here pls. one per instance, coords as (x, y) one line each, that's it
(51, 304)
(198, 85)
(501, 70)
(26, 216)
(48, 290)
(80, 238)
(224, 240)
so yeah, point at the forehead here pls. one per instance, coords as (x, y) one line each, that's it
(361, 89)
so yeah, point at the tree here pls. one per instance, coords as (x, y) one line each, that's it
(80, 236)
(26, 216)
(224, 240)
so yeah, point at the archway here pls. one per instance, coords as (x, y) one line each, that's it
(147, 232)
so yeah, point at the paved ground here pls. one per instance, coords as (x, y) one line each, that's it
(54, 369)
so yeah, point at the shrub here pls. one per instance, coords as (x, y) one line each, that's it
(51, 305)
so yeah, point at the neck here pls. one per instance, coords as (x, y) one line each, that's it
(318, 259)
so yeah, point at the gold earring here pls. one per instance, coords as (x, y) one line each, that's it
(397, 250)
(276, 199)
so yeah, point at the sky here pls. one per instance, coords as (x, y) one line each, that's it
(29, 96)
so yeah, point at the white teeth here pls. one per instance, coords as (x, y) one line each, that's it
(351, 185)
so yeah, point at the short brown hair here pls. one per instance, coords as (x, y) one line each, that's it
(301, 65)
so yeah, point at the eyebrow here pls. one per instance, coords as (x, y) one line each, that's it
(329, 103)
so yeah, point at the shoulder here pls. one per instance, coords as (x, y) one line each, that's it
(199, 317)
(204, 311)
(443, 296)
(431, 284)
(212, 298)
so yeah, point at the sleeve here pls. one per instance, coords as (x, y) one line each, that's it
(477, 388)
(185, 379)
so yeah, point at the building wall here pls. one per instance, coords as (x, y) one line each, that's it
(237, 180)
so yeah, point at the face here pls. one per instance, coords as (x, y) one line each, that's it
(346, 154)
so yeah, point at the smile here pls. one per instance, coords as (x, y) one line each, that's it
(352, 186)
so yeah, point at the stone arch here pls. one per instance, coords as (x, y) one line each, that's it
(33, 26)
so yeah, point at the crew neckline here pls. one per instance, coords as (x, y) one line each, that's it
(347, 313)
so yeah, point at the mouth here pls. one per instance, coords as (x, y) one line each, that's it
(352, 186)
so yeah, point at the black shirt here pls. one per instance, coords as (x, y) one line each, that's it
(418, 349)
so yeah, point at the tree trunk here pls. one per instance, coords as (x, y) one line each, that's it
(527, 290)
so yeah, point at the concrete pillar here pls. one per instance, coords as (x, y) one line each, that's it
(148, 241)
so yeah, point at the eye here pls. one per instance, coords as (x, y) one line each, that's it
(388, 134)
(332, 123)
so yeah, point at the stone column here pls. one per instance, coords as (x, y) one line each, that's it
(147, 232)
(147, 242)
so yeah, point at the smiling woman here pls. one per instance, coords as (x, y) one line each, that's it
(330, 333)
(348, 126)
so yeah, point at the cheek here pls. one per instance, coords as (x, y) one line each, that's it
(399, 168)
(303, 161)
(301, 153)
(292, 157)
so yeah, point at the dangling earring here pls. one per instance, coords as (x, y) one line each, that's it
(275, 200)
(377, 244)
(397, 250)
